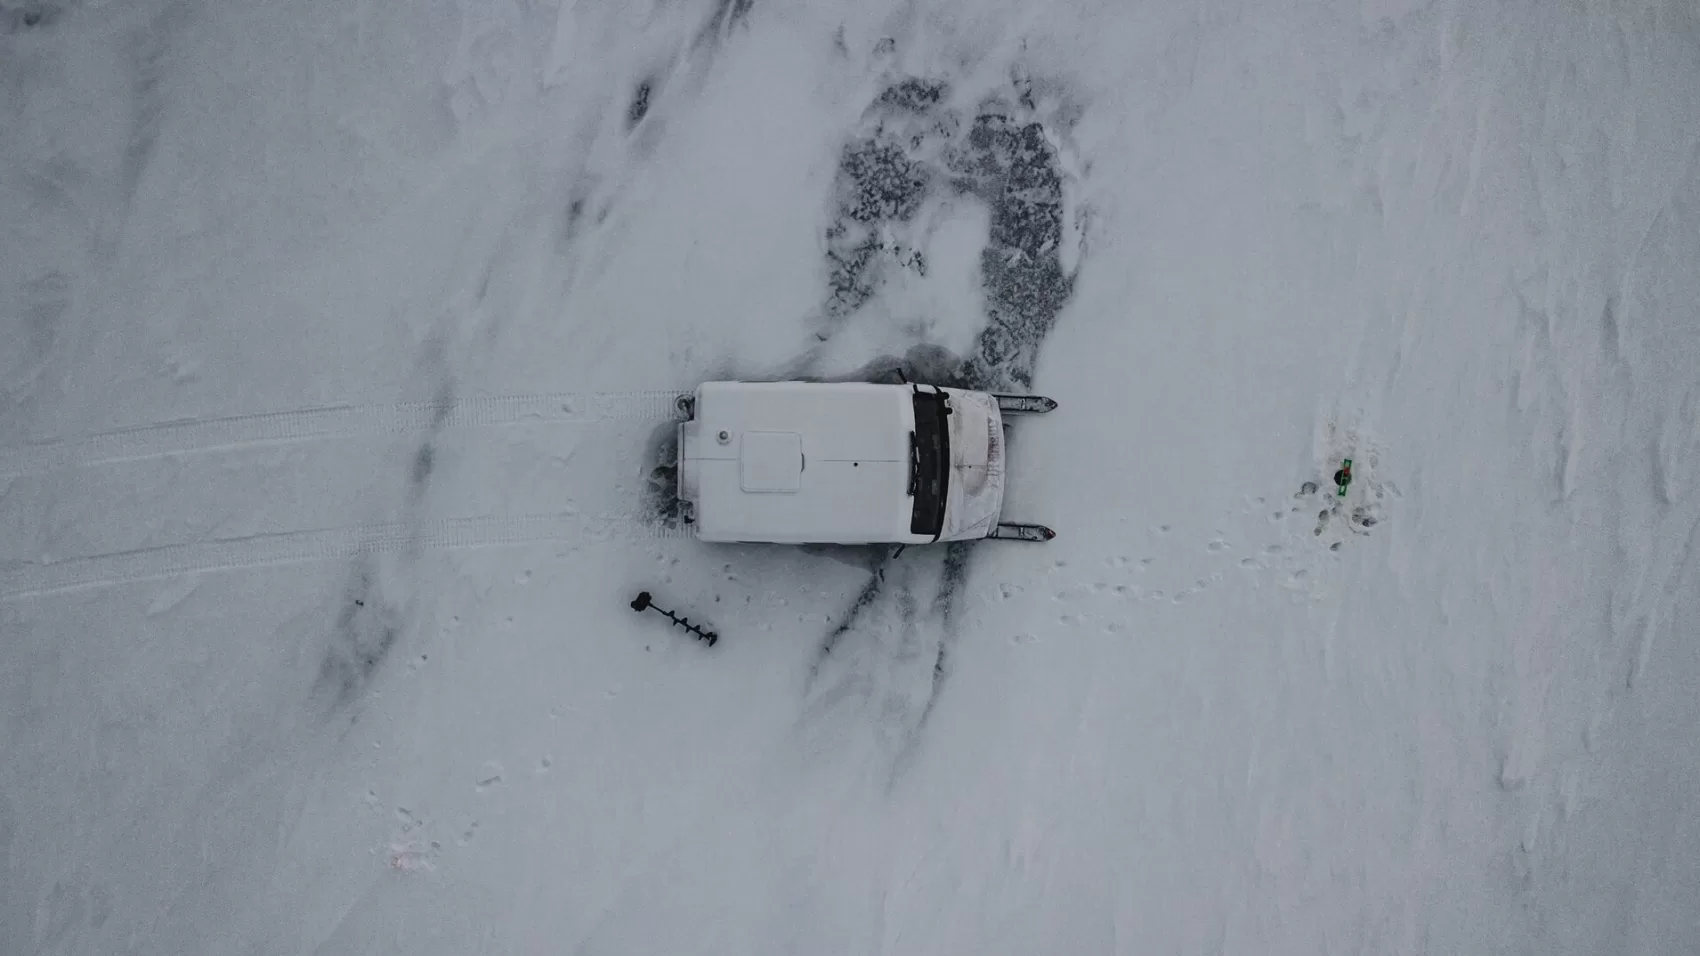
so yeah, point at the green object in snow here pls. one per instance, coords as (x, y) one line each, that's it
(1343, 477)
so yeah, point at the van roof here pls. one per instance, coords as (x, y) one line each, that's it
(799, 461)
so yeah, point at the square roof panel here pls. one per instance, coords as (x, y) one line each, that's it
(770, 462)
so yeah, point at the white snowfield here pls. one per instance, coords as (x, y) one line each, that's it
(339, 351)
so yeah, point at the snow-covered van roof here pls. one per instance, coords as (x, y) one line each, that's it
(799, 462)
(848, 463)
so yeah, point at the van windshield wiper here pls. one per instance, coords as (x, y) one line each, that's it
(914, 464)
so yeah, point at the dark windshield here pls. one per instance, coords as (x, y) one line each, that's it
(929, 463)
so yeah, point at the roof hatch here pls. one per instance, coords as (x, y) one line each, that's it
(771, 462)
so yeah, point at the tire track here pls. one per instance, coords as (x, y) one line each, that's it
(297, 547)
(332, 421)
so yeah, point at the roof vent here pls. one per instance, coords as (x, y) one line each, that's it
(771, 462)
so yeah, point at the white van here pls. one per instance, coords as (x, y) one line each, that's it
(847, 463)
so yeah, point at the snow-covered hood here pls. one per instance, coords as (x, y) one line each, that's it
(975, 499)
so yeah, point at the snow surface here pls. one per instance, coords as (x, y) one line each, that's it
(339, 343)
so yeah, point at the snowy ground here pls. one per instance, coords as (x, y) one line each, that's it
(339, 347)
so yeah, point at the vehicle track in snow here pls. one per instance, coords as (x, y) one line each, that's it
(297, 547)
(919, 142)
(194, 435)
